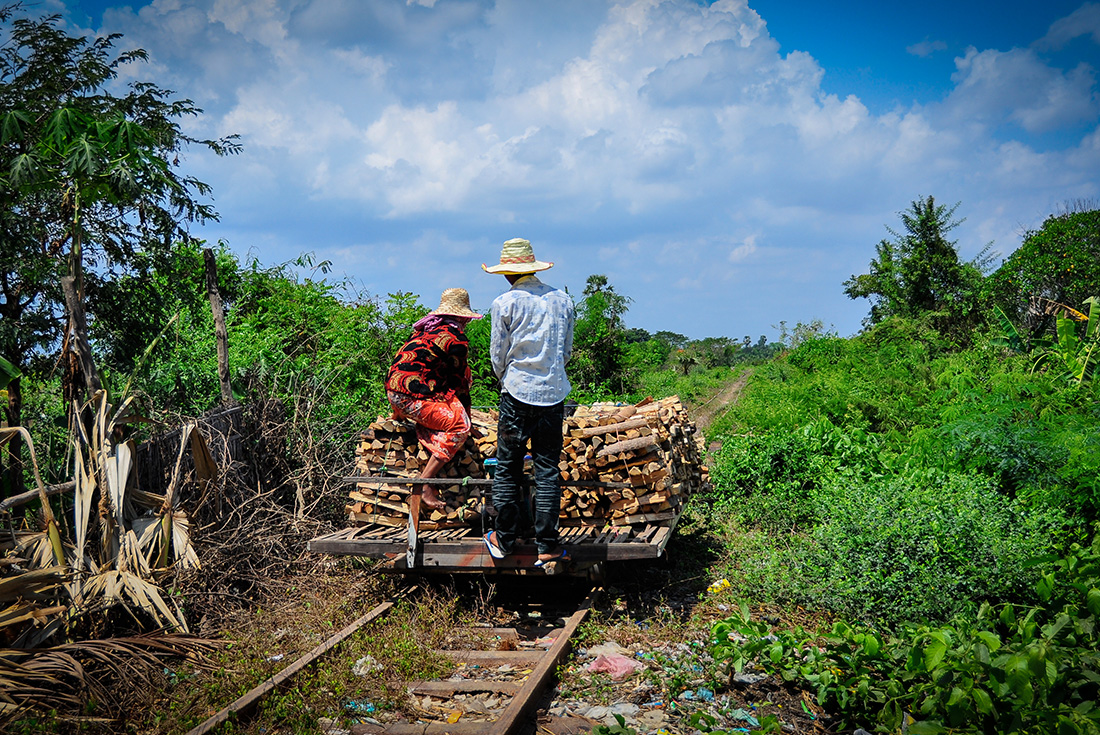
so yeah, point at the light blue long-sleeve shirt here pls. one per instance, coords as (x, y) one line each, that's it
(532, 339)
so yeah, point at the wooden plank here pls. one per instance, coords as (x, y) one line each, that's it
(662, 534)
(450, 688)
(476, 481)
(493, 658)
(471, 553)
(532, 633)
(524, 703)
(660, 546)
(249, 699)
(622, 534)
(472, 727)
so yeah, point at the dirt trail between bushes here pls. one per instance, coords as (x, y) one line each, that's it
(705, 414)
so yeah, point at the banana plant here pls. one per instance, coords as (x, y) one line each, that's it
(1012, 339)
(1074, 358)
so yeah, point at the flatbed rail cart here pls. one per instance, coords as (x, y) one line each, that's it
(626, 472)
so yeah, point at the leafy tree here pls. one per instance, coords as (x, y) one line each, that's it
(599, 362)
(919, 273)
(674, 340)
(87, 178)
(1059, 262)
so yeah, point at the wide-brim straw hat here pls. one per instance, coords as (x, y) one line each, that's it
(516, 258)
(455, 302)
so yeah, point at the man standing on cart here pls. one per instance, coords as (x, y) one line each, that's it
(532, 340)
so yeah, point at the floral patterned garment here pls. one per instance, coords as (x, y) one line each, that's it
(441, 425)
(432, 364)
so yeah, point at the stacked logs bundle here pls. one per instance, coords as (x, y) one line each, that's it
(619, 465)
(388, 447)
(648, 457)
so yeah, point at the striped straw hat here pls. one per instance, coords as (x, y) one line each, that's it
(517, 257)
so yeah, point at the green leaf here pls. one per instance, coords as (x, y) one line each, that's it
(957, 695)
(1092, 600)
(982, 701)
(776, 653)
(1045, 586)
(991, 640)
(81, 158)
(1036, 660)
(926, 727)
(8, 373)
(12, 127)
(934, 653)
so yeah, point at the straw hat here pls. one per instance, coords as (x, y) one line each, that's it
(455, 302)
(517, 257)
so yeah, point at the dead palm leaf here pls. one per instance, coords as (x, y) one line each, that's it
(114, 586)
(47, 512)
(113, 672)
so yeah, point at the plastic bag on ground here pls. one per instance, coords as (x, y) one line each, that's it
(607, 648)
(614, 664)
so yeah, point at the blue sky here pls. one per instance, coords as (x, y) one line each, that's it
(727, 165)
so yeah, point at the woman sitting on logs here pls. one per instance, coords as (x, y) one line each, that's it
(429, 383)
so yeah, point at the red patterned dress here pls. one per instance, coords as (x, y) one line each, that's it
(429, 382)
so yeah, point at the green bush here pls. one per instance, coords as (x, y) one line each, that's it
(782, 480)
(1004, 669)
(926, 546)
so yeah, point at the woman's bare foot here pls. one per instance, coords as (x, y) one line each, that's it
(430, 500)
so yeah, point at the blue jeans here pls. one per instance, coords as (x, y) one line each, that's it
(519, 422)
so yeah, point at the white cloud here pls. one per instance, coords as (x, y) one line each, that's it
(992, 86)
(744, 250)
(1085, 21)
(669, 138)
(926, 48)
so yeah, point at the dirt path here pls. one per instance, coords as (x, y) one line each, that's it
(720, 401)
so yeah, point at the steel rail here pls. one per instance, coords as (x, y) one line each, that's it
(249, 700)
(525, 695)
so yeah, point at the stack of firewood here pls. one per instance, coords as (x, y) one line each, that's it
(388, 447)
(648, 458)
(619, 465)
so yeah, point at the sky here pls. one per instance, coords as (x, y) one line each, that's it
(727, 165)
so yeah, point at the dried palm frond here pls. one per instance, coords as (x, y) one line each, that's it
(166, 537)
(34, 597)
(36, 584)
(116, 586)
(1039, 306)
(114, 672)
(52, 532)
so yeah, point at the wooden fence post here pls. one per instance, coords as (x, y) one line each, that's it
(221, 335)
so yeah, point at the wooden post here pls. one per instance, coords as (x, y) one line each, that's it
(80, 335)
(221, 335)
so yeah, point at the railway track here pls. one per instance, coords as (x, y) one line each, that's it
(501, 674)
